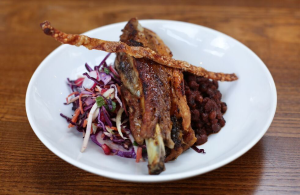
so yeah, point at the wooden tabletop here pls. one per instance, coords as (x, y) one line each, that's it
(270, 28)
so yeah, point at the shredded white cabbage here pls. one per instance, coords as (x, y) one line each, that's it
(116, 94)
(118, 121)
(88, 128)
(132, 141)
(95, 115)
(109, 129)
(94, 127)
(108, 93)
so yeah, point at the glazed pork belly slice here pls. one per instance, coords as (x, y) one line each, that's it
(145, 88)
(182, 134)
(154, 94)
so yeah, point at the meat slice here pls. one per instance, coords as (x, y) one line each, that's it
(135, 114)
(161, 92)
(149, 93)
(128, 73)
(154, 88)
(182, 133)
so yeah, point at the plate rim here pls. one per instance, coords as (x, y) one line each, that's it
(151, 178)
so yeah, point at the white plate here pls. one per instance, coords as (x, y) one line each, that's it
(251, 101)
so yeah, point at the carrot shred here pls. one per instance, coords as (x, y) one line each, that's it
(139, 154)
(84, 123)
(88, 90)
(76, 92)
(75, 117)
(114, 128)
(80, 103)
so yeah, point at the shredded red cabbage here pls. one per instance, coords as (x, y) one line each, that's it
(88, 67)
(106, 116)
(107, 110)
(105, 78)
(93, 79)
(120, 152)
(198, 150)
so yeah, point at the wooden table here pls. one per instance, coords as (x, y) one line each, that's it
(270, 28)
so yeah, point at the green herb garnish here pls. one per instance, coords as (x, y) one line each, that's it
(106, 70)
(100, 101)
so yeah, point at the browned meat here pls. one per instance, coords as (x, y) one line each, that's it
(171, 82)
(182, 133)
(150, 97)
(154, 82)
(135, 114)
(157, 101)
(128, 73)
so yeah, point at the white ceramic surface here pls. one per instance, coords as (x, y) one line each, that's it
(251, 101)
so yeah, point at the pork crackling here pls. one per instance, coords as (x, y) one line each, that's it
(137, 52)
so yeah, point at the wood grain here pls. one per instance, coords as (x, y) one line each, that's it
(270, 28)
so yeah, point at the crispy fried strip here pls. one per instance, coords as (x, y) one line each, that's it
(137, 52)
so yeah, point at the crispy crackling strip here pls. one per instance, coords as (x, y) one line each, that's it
(137, 52)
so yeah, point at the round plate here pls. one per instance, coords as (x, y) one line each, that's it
(251, 101)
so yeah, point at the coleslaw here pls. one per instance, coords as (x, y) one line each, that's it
(100, 112)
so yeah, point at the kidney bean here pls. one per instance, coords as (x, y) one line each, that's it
(207, 109)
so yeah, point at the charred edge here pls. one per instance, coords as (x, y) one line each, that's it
(160, 167)
(159, 81)
(175, 131)
(182, 88)
(175, 157)
(48, 31)
(168, 151)
(145, 88)
(132, 42)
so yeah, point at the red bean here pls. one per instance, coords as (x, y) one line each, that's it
(199, 98)
(214, 121)
(223, 107)
(198, 125)
(195, 114)
(193, 85)
(222, 122)
(212, 115)
(204, 115)
(216, 128)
